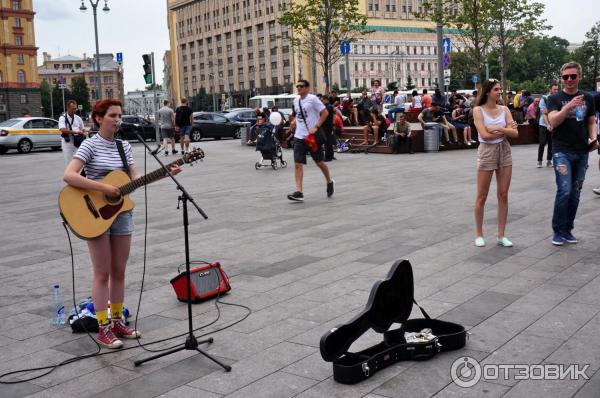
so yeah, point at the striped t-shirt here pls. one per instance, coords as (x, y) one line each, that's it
(101, 156)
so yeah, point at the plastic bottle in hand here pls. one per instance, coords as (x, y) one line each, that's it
(58, 306)
(579, 113)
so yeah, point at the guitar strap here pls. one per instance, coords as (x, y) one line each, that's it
(122, 153)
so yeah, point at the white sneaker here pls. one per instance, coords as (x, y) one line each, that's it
(596, 190)
(479, 241)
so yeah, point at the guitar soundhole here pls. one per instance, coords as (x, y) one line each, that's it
(113, 200)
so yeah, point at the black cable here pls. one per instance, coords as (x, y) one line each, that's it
(51, 368)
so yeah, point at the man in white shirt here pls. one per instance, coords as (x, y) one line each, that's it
(398, 107)
(310, 114)
(72, 131)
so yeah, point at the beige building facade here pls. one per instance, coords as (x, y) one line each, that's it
(68, 67)
(19, 85)
(239, 47)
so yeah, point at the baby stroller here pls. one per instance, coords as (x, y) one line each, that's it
(270, 148)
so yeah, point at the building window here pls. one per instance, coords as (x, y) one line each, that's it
(19, 40)
(21, 76)
(17, 22)
(20, 59)
(23, 98)
(16, 4)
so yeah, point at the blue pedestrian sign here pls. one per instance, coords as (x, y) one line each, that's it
(474, 79)
(447, 45)
(119, 57)
(345, 47)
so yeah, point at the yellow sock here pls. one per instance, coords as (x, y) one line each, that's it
(102, 317)
(116, 311)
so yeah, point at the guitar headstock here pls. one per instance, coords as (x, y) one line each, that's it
(193, 155)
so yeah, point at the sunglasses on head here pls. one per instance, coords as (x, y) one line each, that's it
(572, 76)
(300, 86)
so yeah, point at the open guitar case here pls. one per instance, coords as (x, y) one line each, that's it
(390, 301)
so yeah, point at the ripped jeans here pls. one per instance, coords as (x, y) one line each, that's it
(569, 169)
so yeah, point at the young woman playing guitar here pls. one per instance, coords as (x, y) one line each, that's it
(109, 252)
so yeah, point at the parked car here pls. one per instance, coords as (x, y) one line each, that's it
(130, 124)
(214, 125)
(242, 115)
(27, 133)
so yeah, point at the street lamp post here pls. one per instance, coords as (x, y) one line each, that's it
(83, 8)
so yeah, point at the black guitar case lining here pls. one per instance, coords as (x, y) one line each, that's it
(390, 302)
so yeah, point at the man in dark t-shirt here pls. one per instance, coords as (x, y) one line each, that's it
(183, 121)
(572, 116)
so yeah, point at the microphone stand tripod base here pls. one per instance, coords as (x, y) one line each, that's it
(191, 343)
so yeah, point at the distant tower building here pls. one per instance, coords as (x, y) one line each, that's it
(19, 86)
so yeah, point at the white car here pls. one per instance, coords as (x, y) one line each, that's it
(26, 133)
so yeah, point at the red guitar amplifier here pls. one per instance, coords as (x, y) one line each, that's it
(207, 280)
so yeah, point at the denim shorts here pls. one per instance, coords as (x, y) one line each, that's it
(123, 224)
(185, 130)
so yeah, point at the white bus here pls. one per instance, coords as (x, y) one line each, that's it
(285, 102)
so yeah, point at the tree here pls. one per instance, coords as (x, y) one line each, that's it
(511, 21)
(409, 83)
(45, 93)
(471, 18)
(81, 93)
(392, 86)
(319, 26)
(588, 56)
(202, 101)
(535, 86)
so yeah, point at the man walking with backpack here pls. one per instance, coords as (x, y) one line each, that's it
(309, 116)
(545, 128)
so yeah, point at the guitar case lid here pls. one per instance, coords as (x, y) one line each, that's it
(390, 301)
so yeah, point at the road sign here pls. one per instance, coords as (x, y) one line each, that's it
(62, 86)
(447, 45)
(447, 73)
(474, 79)
(80, 107)
(446, 81)
(446, 60)
(119, 57)
(62, 80)
(387, 99)
(344, 47)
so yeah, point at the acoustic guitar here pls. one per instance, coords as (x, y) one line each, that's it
(90, 213)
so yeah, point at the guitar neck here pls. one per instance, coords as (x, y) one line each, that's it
(148, 178)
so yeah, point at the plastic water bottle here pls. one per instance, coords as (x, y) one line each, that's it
(579, 113)
(58, 306)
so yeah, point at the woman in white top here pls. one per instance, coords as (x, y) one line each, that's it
(416, 100)
(494, 124)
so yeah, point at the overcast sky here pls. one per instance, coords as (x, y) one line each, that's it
(135, 27)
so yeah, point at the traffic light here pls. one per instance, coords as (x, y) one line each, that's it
(147, 68)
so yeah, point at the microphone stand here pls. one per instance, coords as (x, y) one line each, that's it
(191, 343)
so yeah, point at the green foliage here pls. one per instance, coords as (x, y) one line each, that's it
(150, 87)
(588, 55)
(80, 93)
(392, 86)
(45, 93)
(359, 89)
(319, 27)
(335, 87)
(202, 101)
(535, 86)
(512, 22)
(409, 83)
(473, 19)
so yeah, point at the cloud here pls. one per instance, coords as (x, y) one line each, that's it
(55, 10)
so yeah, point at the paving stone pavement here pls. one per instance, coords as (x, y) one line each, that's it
(304, 268)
